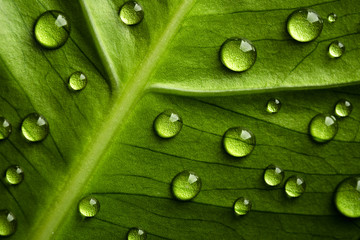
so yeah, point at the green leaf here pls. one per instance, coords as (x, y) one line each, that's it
(102, 142)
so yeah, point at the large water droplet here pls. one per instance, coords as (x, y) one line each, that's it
(238, 54)
(323, 127)
(273, 175)
(336, 49)
(131, 13)
(35, 127)
(5, 128)
(168, 124)
(347, 197)
(239, 142)
(8, 223)
(136, 234)
(186, 185)
(304, 25)
(242, 206)
(52, 29)
(343, 108)
(89, 206)
(332, 17)
(14, 175)
(273, 105)
(295, 186)
(77, 81)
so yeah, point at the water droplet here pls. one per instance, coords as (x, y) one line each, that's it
(5, 128)
(343, 108)
(77, 81)
(168, 124)
(242, 206)
(14, 175)
(304, 25)
(273, 175)
(131, 13)
(186, 185)
(347, 197)
(273, 105)
(336, 49)
(89, 206)
(8, 223)
(295, 186)
(239, 142)
(52, 29)
(35, 127)
(238, 54)
(332, 17)
(136, 234)
(323, 127)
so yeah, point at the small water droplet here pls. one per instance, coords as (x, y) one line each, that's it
(239, 142)
(242, 206)
(347, 197)
(323, 127)
(336, 49)
(273, 175)
(168, 124)
(14, 175)
(304, 25)
(5, 128)
(332, 17)
(136, 234)
(35, 127)
(77, 81)
(238, 54)
(273, 105)
(52, 29)
(295, 186)
(8, 223)
(343, 108)
(131, 13)
(89, 206)
(186, 185)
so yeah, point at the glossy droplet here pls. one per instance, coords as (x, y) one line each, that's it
(347, 197)
(186, 185)
(52, 29)
(89, 206)
(136, 234)
(14, 175)
(8, 223)
(238, 54)
(168, 124)
(273, 175)
(336, 49)
(77, 81)
(295, 186)
(131, 13)
(323, 127)
(304, 25)
(242, 206)
(343, 108)
(332, 17)
(273, 105)
(5, 128)
(239, 142)
(35, 127)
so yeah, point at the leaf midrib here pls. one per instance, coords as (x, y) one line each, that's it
(123, 102)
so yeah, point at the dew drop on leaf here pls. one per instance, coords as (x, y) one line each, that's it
(5, 128)
(14, 175)
(168, 124)
(242, 206)
(336, 49)
(332, 18)
(77, 81)
(323, 127)
(35, 127)
(131, 13)
(239, 141)
(343, 108)
(273, 105)
(273, 175)
(295, 186)
(136, 234)
(238, 54)
(89, 206)
(186, 185)
(347, 197)
(8, 223)
(52, 29)
(304, 25)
